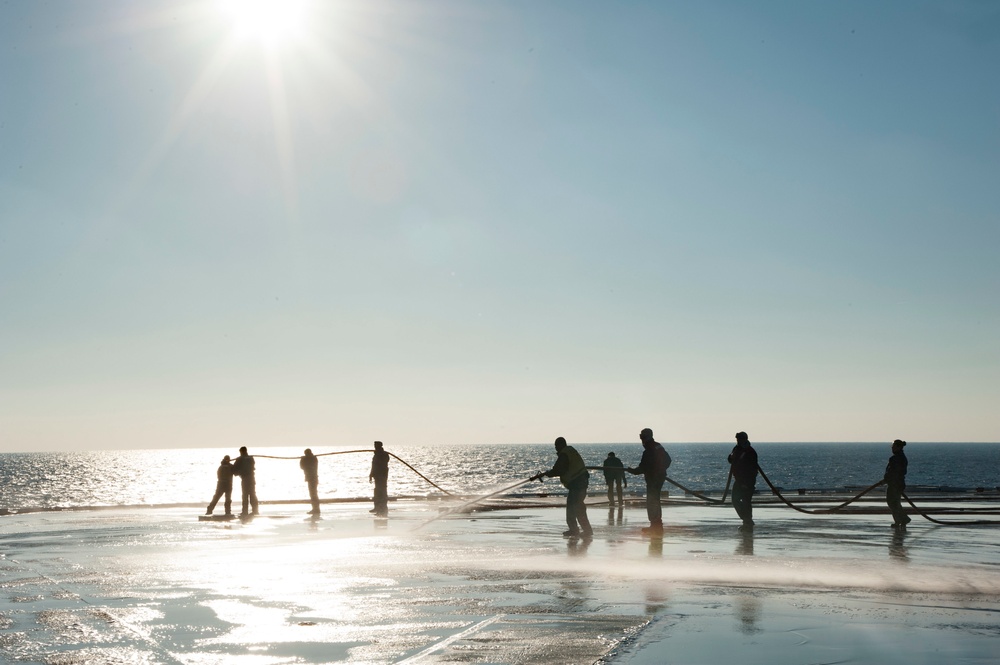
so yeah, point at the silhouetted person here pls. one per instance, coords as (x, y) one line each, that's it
(223, 486)
(380, 474)
(653, 466)
(743, 460)
(614, 476)
(310, 467)
(574, 476)
(244, 468)
(895, 481)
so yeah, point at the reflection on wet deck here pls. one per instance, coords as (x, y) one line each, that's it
(502, 586)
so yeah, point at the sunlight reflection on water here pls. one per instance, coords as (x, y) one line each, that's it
(157, 477)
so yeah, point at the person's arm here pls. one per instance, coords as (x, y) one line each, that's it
(643, 464)
(557, 469)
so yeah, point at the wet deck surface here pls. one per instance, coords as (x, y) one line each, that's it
(135, 586)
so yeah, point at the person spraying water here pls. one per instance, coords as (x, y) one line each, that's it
(575, 478)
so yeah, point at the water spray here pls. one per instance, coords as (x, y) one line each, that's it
(479, 499)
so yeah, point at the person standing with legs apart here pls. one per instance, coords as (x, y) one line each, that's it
(653, 466)
(380, 475)
(895, 480)
(244, 468)
(574, 476)
(310, 467)
(743, 461)
(224, 485)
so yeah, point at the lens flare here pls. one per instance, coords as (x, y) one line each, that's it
(271, 22)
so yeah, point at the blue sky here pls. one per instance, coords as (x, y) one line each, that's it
(464, 222)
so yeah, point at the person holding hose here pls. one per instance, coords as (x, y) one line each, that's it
(614, 476)
(575, 478)
(653, 466)
(895, 480)
(380, 475)
(310, 468)
(244, 468)
(743, 461)
(224, 485)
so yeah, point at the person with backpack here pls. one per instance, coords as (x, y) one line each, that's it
(653, 466)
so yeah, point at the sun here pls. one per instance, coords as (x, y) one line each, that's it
(272, 23)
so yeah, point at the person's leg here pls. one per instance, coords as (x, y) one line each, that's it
(581, 509)
(654, 510)
(611, 494)
(571, 513)
(229, 500)
(253, 495)
(245, 489)
(381, 497)
(314, 495)
(742, 503)
(739, 499)
(892, 500)
(618, 483)
(215, 500)
(893, 497)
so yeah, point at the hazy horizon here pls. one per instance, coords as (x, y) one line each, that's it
(318, 447)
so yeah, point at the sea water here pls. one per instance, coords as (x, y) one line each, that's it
(52, 481)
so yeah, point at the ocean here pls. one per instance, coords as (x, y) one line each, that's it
(152, 478)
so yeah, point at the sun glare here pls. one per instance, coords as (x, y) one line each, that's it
(271, 22)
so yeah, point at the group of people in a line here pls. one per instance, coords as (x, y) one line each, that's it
(573, 473)
(309, 464)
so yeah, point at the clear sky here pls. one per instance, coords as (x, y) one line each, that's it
(504, 221)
